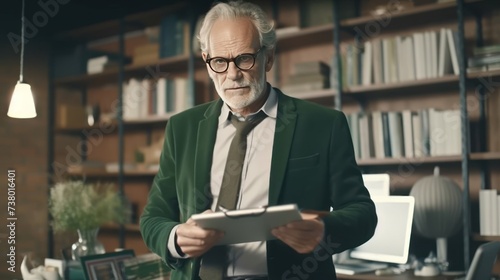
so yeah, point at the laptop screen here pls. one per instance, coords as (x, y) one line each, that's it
(391, 241)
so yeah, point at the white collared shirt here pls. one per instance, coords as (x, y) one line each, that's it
(247, 258)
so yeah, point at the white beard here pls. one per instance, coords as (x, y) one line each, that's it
(238, 101)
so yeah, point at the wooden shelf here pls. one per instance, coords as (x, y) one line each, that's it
(416, 85)
(478, 237)
(325, 93)
(485, 156)
(152, 120)
(428, 160)
(160, 68)
(305, 37)
(412, 15)
(484, 75)
(412, 161)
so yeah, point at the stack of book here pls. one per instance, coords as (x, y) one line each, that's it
(308, 76)
(485, 59)
(102, 63)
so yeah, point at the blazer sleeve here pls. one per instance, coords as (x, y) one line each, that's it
(353, 219)
(161, 212)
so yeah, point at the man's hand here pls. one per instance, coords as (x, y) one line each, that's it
(193, 240)
(303, 236)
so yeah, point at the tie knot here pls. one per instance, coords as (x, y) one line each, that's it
(244, 127)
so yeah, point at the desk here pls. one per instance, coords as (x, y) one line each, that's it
(408, 275)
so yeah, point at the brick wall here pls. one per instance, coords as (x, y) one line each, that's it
(23, 145)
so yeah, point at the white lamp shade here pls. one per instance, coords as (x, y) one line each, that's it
(22, 105)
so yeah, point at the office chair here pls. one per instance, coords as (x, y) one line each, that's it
(483, 261)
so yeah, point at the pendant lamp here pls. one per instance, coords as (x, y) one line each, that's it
(22, 105)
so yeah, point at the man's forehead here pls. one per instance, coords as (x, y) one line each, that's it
(233, 32)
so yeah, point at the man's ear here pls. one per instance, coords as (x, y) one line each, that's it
(204, 56)
(269, 60)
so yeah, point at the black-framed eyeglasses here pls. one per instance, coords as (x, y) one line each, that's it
(244, 61)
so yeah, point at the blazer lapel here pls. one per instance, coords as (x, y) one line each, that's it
(283, 136)
(207, 131)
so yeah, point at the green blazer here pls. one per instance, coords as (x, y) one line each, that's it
(313, 165)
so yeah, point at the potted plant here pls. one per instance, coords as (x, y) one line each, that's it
(85, 207)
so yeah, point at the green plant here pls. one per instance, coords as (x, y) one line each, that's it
(78, 205)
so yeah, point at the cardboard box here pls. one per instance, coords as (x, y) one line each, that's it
(145, 54)
(71, 116)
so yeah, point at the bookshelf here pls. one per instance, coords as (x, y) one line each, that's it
(116, 140)
(469, 167)
(302, 44)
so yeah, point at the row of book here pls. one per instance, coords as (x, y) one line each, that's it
(406, 134)
(150, 97)
(401, 58)
(489, 212)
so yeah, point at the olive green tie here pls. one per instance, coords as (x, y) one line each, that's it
(214, 262)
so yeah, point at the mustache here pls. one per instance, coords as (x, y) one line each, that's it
(235, 86)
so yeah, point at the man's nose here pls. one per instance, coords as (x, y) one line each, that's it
(233, 72)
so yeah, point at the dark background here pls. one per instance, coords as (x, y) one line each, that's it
(72, 14)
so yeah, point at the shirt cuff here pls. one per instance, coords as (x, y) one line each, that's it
(171, 246)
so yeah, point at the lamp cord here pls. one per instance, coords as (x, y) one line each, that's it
(22, 44)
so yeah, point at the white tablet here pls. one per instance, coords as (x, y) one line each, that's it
(248, 225)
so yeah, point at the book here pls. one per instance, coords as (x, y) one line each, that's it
(477, 61)
(390, 60)
(407, 123)
(420, 58)
(354, 128)
(367, 76)
(172, 32)
(378, 66)
(416, 123)
(488, 211)
(366, 138)
(452, 44)
(444, 64)
(386, 135)
(396, 134)
(309, 67)
(378, 134)
(353, 65)
(485, 50)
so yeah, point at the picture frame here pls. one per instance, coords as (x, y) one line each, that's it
(108, 266)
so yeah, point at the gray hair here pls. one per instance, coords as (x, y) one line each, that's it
(238, 9)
